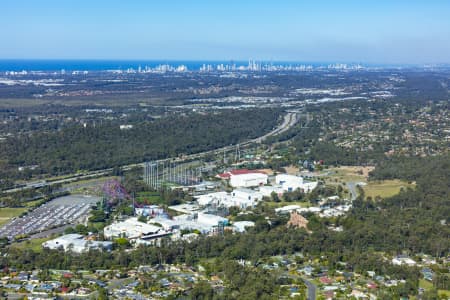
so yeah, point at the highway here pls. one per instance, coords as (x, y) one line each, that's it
(289, 120)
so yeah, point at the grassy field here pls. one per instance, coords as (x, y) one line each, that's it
(149, 197)
(385, 188)
(444, 293)
(31, 203)
(22, 102)
(346, 174)
(425, 284)
(8, 213)
(34, 244)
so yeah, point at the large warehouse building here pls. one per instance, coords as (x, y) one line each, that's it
(205, 223)
(287, 183)
(245, 178)
(76, 243)
(248, 180)
(241, 197)
(132, 229)
(291, 183)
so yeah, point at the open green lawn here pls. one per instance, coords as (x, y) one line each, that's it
(385, 188)
(149, 197)
(346, 174)
(31, 203)
(444, 293)
(8, 213)
(425, 284)
(34, 244)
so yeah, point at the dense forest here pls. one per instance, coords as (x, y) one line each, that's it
(414, 220)
(105, 145)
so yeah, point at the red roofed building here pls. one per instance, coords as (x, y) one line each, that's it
(372, 285)
(227, 175)
(325, 280)
(245, 178)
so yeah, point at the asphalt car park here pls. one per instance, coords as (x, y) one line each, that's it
(58, 212)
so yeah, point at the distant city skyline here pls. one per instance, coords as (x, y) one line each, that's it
(378, 32)
(78, 67)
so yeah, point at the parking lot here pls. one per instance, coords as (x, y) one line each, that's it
(55, 213)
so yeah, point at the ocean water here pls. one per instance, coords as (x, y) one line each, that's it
(86, 65)
(103, 65)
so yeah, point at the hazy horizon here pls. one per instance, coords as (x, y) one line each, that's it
(370, 32)
(18, 65)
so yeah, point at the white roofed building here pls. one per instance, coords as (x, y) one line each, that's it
(211, 198)
(287, 209)
(248, 194)
(403, 260)
(211, 220)
(242, 198)
(132, 229)
(248, 180)
(205, 223)
(267, 190)
(241, 226)
(291, 183)
(76, 243)
(309, 186)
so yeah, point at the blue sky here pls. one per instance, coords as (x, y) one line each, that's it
(382, 31)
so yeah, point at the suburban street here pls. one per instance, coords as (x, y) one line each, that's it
(311, 289)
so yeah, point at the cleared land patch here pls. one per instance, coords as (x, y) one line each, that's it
(385, 188)
(8, 213)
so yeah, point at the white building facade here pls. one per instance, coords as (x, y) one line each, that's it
(241, 197)
(248, 180)
(131, 229)
(76, 243)
(291, 183)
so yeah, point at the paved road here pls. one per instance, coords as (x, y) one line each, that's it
(118, 283)
(352, 189)
(311, 289)
(68, 179)
(14, 296)
(50, 232)
(289, 120)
